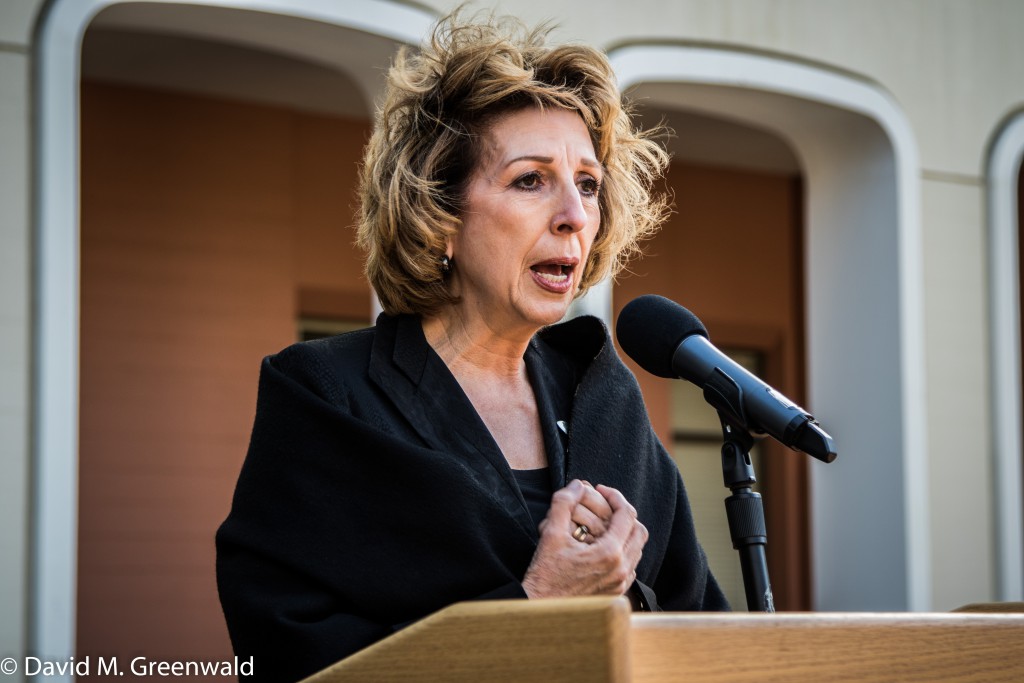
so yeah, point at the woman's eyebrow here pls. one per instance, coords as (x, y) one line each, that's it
(585, 161)
(531, 157)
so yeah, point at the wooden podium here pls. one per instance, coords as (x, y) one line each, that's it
(599, 640)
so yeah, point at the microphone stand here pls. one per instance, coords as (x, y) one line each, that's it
(746, 515)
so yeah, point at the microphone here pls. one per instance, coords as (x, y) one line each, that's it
(667, 340)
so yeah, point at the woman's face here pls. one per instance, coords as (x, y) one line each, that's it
(530, 217)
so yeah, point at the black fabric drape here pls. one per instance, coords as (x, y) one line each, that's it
(372, 494)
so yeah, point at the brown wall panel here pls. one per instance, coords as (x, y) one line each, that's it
(327, 152)
(728, 255)
(202, 220)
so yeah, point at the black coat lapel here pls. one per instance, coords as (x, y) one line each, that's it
(553, 383)
(404, 366)
(397, 366)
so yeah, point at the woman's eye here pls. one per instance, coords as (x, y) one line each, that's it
(589, 187)
(530, 181)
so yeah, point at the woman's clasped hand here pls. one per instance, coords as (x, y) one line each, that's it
(604, 562)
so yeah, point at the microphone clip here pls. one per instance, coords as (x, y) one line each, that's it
(726, 396)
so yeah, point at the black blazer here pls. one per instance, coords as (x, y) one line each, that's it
(372, 494)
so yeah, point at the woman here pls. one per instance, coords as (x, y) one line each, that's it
(447, 453)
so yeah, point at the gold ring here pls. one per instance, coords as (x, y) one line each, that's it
(581, 532)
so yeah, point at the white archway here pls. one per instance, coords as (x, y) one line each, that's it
(1003, 167)
(56, 203)
(864, 303)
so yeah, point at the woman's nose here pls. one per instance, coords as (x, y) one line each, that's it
(570, 216)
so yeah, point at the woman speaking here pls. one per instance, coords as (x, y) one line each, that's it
(468, 446)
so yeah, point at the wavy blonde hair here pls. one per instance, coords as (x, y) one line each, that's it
(439, 101)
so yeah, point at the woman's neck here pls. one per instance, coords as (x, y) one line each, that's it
(470, 345)
(490, 368)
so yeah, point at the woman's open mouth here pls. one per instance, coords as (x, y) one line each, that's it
(555, 275)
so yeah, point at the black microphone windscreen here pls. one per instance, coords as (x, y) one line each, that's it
(651, 327)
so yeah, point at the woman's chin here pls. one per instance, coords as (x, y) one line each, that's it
(526, 313)
(549, 312)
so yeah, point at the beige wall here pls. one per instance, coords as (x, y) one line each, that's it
(17, 19)
(956, 67)
(960, 475)
(15, 28)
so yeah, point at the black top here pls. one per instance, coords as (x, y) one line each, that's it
(535, 486)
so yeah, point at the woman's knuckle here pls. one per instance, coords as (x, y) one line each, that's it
(563, 497)
(609, 557)
(619, 575)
